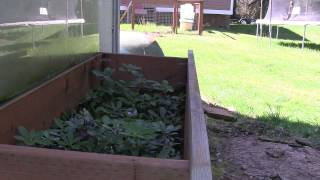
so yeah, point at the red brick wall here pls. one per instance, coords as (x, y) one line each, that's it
(216, 20)
(217, 4)
(209, 4)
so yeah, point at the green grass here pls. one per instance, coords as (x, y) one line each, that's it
(236, 71)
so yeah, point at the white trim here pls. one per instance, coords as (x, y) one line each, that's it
(222, 12)
(281, 22)
(164, 9)
(123, 8)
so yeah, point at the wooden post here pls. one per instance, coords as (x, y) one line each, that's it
(200, 20)
(133, 14)
(176, 17)
(174, 26)
(199, 154)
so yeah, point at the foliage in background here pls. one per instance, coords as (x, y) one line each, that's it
(250, 8)
(138, 117)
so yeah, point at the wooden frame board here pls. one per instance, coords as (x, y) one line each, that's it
(37, 108)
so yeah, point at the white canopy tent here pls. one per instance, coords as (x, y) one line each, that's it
(290, 12)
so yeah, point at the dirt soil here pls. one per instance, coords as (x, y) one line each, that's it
(248, 149)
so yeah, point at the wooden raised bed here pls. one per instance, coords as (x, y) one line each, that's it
(37, 108)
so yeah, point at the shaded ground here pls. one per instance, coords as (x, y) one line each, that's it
(250, 149)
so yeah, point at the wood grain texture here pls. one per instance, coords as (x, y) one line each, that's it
(26, 163)
(37, 108)
(199, 154)
(172, 69)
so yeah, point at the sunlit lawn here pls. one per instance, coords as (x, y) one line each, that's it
(237, 72)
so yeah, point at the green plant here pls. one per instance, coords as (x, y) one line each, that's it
(137, 117)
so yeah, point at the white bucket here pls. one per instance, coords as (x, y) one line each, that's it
(186, 16)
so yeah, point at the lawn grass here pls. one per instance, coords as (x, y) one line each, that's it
(280, 84)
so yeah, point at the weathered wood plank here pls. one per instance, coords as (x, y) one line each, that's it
(26, 163)
(37, 108)
(171, 69)
(199, 154)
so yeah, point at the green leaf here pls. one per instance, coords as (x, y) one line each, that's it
(163, 112)
(23, 131)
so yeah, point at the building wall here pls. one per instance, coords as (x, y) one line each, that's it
(209, 4)
(216, 20)
(218, 4)
(216, 12)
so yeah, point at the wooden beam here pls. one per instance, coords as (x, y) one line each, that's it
(174, 16)
(198, 154)
(18, 162)
(200, 21)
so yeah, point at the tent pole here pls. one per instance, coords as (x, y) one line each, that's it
(277, 32)
(270, 24)
(257, 32)
(261, 9)
(261, 14)
(304, 37)
(270, 34)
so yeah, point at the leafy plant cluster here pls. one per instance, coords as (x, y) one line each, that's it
(138, 117)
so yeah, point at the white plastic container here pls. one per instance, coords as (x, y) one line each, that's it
(186, 17)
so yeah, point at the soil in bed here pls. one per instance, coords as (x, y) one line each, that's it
(243, 148)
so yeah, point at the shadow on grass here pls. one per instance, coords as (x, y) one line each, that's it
(299, 128)
(308, 45)
(274, 123)
(14, 34)
(20, 46)
(284, 33)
